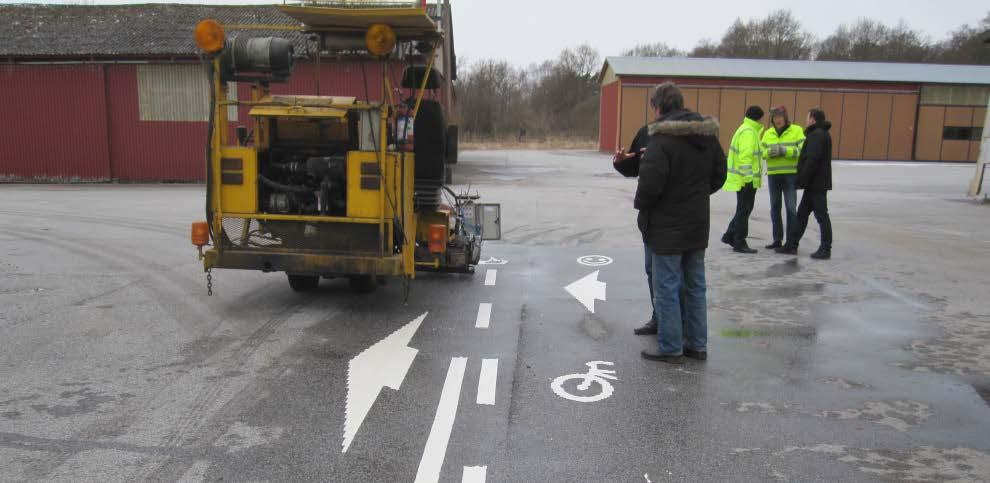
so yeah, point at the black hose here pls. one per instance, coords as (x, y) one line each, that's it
(283, 187)
(210, 74)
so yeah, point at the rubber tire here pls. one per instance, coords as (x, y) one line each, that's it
(448, 176)
(452, 144)
(363, 283)
(303, 283)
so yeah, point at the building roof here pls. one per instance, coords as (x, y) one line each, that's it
(148, 30)
(797, 70)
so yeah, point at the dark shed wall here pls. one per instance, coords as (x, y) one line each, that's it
(55, 122)
(608, 119)
(150, 150)
(83, 121)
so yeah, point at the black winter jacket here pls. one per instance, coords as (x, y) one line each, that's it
(683, 165)
(815, 162)
(630, 167)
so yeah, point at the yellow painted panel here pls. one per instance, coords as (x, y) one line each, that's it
(242, 198)
(365, 202)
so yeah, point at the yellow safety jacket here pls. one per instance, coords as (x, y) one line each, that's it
(791, 139)
(744, 163)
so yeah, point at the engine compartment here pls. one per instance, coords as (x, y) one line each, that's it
(304, 171)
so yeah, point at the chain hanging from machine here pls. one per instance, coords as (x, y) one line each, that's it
(209, 282)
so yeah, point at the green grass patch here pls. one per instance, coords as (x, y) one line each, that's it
(737, 333)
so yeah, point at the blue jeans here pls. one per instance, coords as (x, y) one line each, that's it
(680, 301)
(649, 278)
(782, 185)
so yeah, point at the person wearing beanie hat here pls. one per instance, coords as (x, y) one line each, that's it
(744, 177)
(814, 176)
(781, 145)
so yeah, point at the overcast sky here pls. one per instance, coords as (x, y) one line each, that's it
(528, 31)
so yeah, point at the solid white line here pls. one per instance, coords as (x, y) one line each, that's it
(474, 474)
(490, 277)
(486, 384)
(443, 423)
(484, 316)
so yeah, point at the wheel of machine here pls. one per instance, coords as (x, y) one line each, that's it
(448, 176)
(452, 144)
(363, 283)
(429, 147)
(304, 283)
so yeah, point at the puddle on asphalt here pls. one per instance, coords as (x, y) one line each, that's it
(593, 327)
(783, 269)
(984, 391)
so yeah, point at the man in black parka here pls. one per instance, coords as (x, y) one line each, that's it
(815, 177)
(683, 165)
(627, 164)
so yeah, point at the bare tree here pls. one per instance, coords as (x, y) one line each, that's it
(966, 45)
(779, 35)
(658, 49)
(871, 41)
(705, 48)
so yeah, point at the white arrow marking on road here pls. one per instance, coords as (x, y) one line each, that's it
(474, 474)
(587, 290)
(383, 364)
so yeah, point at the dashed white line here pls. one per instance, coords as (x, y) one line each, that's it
(484, 316)
(487, 381)
(490, 277)
(443, 423)
(474, 474)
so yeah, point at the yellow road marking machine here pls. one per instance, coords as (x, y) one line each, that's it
(334, 186)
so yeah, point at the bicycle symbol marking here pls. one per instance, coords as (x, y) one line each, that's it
(595, 260)
(595, 375)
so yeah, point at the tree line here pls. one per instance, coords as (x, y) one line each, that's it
(560, 96)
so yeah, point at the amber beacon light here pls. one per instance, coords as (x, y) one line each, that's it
(209, 36)
(200, 233)
(380, 39)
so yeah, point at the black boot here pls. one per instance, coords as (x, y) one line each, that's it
(743, 249)
(775, 245)
(655, 355)
(822, 254)
(649, 328)
(787, 250)
(727, 239)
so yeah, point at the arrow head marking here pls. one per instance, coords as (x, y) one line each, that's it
(587, 290)
(384, 364)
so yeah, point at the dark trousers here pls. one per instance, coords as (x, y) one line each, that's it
(649, 279)
(812, 202)
(782, 186)
(739, 226)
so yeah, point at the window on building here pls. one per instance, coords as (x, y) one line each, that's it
(176, 92)
(960, 133)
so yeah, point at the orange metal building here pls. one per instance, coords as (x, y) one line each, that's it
(879, 111)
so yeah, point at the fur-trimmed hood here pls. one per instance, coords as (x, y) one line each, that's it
(685, 123)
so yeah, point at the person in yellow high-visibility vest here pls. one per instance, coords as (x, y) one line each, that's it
(781, 146)
(745, 174)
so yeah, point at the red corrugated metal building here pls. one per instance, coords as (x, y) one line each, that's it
(879, 111)
(131, 103)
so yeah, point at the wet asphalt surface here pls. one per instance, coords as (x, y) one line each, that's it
(116, 366)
